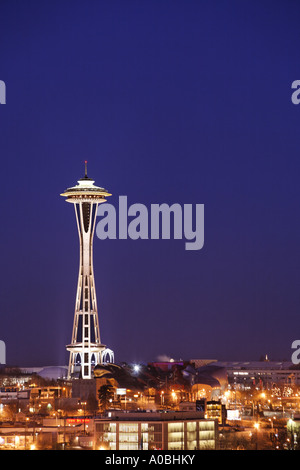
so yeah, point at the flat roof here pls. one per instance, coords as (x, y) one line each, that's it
(154, 416)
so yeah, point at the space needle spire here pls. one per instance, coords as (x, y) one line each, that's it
(86, 349)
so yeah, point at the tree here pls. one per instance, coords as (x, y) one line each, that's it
(105, 394)
(92, 403)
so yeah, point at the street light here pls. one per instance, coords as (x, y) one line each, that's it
(84, 410)
(256, 425)
(291, 427)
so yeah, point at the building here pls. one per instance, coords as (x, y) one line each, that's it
(293, 430)
(216, 410)
(14, 377)
(264, 373)
(212, 409)
(10, 394)
(117, 431)
(47, 395)
(86, 349)
(51, 434)
(208, 381)
(47, 372)
(156, 431)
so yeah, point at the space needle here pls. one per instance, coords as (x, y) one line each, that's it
(86, 349)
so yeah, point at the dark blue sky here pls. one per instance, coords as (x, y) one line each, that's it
(169, 101)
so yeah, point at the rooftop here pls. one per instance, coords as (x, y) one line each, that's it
(152, 416)
(85, 187)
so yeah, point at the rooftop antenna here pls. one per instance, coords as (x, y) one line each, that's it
(85, 163)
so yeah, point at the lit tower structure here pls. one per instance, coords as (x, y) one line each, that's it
(86, 349)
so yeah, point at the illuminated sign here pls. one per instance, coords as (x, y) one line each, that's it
(233, 415)
(78, 420)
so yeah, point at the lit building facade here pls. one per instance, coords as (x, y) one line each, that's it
(265, 373)
(86, 349)
(156, 431)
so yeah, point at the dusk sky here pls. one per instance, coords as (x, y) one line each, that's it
(184, 102)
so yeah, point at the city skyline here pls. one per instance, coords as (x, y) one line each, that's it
(174, 102)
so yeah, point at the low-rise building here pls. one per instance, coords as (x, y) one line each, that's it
(156, 431)
(264, 373)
